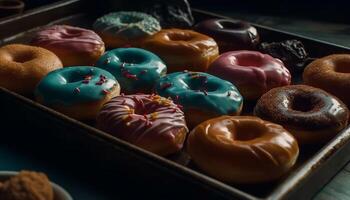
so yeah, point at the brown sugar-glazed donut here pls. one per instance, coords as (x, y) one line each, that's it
(23, 66)
(242, 149)
(183, 49)
(310, 114)
(332, 74)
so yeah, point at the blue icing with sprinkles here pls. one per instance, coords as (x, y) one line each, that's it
(201, 91)
(137, 70)
(72, 85)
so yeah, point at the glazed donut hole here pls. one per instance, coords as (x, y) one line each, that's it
(305, 103)
(244, 131)
(72, 33)
(130, 20)
(132, 58)
(201, 84)
(342, 66)
(233, 25)
(249, 60)
(179, 37)
(23, 56)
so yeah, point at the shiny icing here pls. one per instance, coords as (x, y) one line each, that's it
(230, 34)
(183, 49)
(127, 24)
(68, 38)
(251, 68)
(141, 118)
(72, 85)
(242, 149)
(136, 70)
(201, 91)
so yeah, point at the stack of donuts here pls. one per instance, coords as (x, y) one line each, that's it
(163, 89)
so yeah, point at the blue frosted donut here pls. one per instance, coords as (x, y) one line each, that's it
(202, 96)
(136, 70)
(78, 91)
(122, 28)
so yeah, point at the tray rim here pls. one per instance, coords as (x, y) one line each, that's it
(171, 166)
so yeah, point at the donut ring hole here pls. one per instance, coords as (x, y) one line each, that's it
(23, 57)
(72, 77)
(245, 131)
(179, 37)
(304, 103)
(342, 66)
(202, 85)
(247, 60)
(132, 58)
(124, 19)
(231, 25)
(73, 32)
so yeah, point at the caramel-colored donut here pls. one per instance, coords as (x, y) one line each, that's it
(23, 66)
(332, 74)
(310, 114)
(183, 49)
(242, 149)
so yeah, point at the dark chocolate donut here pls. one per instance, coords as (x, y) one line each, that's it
(310, 114)
(170, 13)
(230, 34)
(291, 52)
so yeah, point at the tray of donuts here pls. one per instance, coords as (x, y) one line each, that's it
(177, 95)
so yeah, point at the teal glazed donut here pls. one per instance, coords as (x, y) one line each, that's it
(201, 95)
(137, 70)
(78, 91)
(118, 29)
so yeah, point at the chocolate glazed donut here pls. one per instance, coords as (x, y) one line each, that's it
(230, 34)
(310, 114)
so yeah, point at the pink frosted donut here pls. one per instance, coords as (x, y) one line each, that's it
(252, 72)
(151, 122)
(73, 45)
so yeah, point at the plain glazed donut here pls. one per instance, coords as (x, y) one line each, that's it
(183, 49)
(23, 66)
(230, 34)
(201, 95)
(332, 74)
(136, 70)
(73, 45)
(310, 114)
(78, 91)
(151, 122)
(242, 149)
(252, 72)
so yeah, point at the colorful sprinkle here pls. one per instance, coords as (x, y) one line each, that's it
(76, 90)
(107, 61)
(165, 86)
(128, 75)
(105, 91)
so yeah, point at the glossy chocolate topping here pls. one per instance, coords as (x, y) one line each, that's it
(303, 107)
(230, 34)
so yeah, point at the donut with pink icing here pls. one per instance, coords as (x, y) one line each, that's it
(151, 122)
(252, 72)
(73, 45)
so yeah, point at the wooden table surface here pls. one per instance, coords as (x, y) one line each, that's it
(339, 187)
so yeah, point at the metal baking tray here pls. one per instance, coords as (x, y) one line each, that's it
(38, 130)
